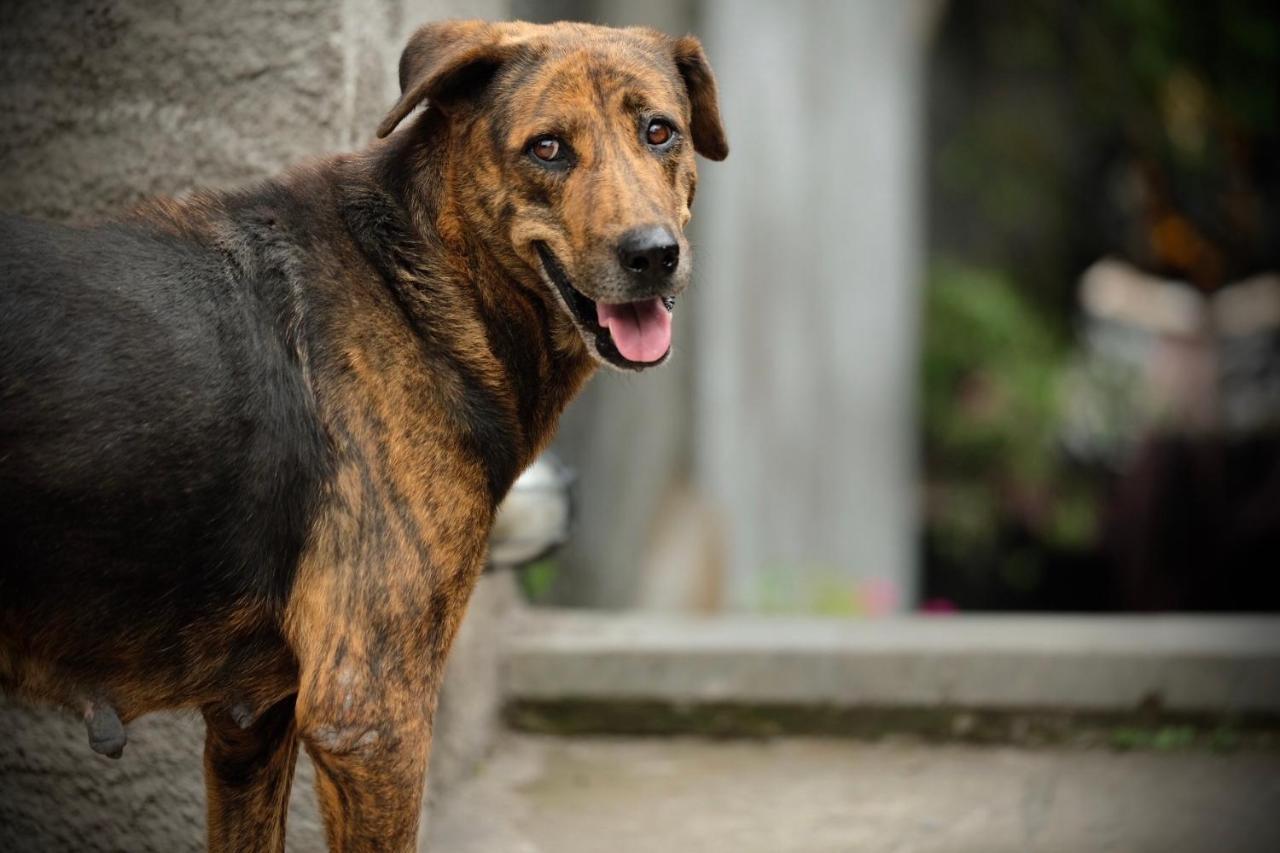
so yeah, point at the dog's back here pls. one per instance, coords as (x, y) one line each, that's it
(152, 425)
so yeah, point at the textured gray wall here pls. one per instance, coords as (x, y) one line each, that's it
(105, 103)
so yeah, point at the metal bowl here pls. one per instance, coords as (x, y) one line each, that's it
(534, 517)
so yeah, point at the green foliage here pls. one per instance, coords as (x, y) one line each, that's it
(1224, 739)
(1161, 739)
(537, 579)
(1061, 132)
(992, 368)
(1230, 48)
(990, 372)
(831, 592)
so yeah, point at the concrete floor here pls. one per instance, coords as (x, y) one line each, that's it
(577, 795)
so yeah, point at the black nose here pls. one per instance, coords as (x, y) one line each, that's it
(649, 255)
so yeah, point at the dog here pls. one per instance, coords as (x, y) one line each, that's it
(252, 442)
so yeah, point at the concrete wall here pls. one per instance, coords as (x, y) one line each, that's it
(108, 102)
(104, 104)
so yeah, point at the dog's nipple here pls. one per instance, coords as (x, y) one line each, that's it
(106, 732)
(243, 714)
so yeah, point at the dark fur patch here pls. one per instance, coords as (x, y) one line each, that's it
(161, 454)
(381, 228)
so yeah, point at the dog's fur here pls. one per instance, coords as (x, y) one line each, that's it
(251, 443)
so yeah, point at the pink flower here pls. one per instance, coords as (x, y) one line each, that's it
(939, 606)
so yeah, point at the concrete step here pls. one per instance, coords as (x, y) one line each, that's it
(825, 672)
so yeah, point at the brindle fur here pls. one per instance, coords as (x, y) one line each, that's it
(251, 442)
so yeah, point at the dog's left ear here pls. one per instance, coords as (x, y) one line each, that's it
(442, 63)
(708, 130)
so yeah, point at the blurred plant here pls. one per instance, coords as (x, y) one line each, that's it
(992, 368)
(1060, 133)
(833, 592)
(1146, 129)
(537, 578)
(1188, 93)
(1161, 739)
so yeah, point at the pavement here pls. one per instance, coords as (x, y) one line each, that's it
(544, 794)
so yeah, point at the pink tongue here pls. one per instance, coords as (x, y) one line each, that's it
(641, 330)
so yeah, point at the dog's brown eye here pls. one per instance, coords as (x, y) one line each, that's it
(547, 149)
(659, 133)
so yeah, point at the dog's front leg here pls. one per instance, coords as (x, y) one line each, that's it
(248, 771)
(369, 778)
(372, 649)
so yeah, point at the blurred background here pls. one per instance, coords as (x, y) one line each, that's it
(986, 316)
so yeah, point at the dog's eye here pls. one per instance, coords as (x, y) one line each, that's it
(548, 149)
(659, 133)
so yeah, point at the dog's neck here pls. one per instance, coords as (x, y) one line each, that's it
(454, 286)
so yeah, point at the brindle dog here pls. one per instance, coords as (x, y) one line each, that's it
(251, 442)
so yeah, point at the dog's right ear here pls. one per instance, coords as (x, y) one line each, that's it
(442, 62)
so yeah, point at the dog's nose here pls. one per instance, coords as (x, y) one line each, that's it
(649, 255)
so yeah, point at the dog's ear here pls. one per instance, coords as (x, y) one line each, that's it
(708, 130)
(443, 62)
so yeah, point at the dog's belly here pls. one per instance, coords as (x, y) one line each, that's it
(141, 591)
(141, 577)
(159, 458)
(237, 660)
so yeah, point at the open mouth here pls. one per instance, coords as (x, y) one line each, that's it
(630, 335)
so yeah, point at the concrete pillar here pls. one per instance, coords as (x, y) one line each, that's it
(808, 292)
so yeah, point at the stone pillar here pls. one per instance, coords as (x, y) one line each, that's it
(107, 103)
(808, 301)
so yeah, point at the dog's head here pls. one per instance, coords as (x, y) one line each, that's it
(573, 154)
